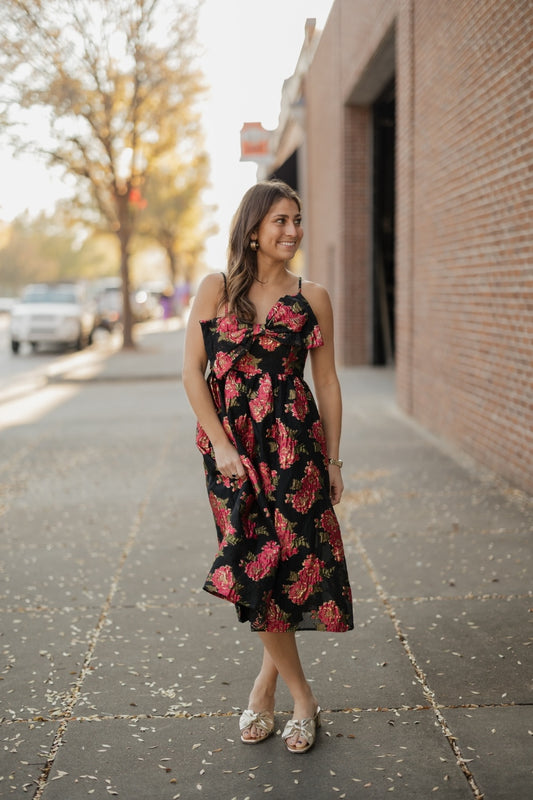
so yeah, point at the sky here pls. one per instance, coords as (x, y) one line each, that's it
(250, 48)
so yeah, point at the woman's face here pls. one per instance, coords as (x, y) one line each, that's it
(280, 231)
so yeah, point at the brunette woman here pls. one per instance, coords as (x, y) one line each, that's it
(271, 456)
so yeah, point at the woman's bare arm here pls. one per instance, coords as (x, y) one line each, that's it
(206, 306)
(326, 383)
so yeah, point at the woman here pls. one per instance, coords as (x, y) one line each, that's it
(272, 463)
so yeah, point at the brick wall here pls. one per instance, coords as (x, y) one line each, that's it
(464, 237)
(405, 217)
(323, 218)
(354, 307)
(464, 260)
(339, 196)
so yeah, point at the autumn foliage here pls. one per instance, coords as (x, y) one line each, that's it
(116, 85)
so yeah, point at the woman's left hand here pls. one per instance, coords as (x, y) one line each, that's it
(336, 485)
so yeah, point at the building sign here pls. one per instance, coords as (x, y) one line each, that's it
(255, 142)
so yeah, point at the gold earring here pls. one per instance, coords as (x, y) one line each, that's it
(254, 245)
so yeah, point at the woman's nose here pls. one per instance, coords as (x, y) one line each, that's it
(291, 229)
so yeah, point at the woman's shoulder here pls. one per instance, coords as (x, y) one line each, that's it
(209, 296)
(212, 283)
(212, 286)
(316, 295)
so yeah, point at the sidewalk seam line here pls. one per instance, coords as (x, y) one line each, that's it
(97, 630)
(419, 672)
(206, 714)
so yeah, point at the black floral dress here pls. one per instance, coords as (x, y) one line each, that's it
(280, 558)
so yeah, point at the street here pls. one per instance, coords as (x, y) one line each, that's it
(12, 366)
(28, 387)
(121, 677)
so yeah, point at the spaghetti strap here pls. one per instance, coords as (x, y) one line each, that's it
(225, 293)
(299, 284)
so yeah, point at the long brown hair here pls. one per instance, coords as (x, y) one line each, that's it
(242, 260)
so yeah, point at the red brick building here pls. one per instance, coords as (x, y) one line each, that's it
(416, 165)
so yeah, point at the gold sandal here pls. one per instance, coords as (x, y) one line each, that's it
(263, 721)
(306, 728)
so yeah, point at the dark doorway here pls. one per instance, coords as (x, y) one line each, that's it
(288, 171)
(383, 271)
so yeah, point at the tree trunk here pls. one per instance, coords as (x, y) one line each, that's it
(172, 264)
(124, 235)
(127, 316)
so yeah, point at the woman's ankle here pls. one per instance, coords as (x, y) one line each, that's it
(264, 684)
(262, 696)
(305, 704)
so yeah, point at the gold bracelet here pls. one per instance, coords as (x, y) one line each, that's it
(336, 461)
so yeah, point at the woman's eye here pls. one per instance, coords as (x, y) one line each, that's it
(282, 221)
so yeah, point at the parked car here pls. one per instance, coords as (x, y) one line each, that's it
(144, 305)
(52, 313)
(6, 304)
(108, 303)
(108, 300)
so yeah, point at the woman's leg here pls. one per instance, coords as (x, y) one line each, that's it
(262, 694)
(283, 655)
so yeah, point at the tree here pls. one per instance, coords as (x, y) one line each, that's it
(174, 215)
(117, 84)
(33, 250)
(49, 248)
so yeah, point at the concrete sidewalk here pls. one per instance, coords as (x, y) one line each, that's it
(120, 677)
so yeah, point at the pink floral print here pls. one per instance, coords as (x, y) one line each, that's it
(261, 404)
(284, 441)
(222, 579)
(307, 580)
(331, 617)
(309, 486)
(328, 523)
(280, 556)
(265, 562)
(286, 535)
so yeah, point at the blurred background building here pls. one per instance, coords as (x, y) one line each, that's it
(407, 128)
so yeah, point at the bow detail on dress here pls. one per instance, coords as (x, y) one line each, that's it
(238, 338)
(290, 322)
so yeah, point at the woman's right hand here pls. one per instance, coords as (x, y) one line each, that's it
(228, 460)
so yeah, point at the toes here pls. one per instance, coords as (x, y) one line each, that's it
(251, 733)
(298, 742)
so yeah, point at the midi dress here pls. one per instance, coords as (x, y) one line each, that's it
(280, 556)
